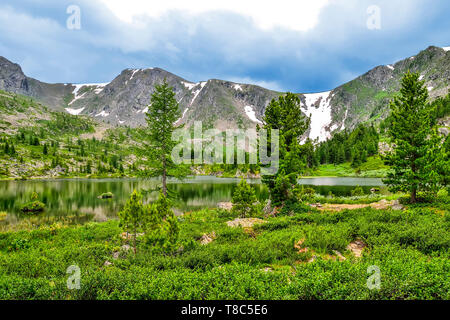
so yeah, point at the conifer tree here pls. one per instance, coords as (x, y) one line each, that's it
(162, 115)
(244, 200)
(416, 146)
(285, 115)
(132, 217)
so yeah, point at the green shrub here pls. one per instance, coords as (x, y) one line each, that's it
(106, 195)
(442, 196)
(33, 207)
(358, 191)
(244, 200)
(304, 194)
(411, 248)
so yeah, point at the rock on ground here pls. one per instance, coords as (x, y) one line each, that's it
(380, 205)
(207, 238)
(356, 247)
(225, 205)
(245, 222)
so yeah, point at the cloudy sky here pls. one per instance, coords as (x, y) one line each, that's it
(300, 46)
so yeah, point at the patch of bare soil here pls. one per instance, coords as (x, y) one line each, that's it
(123, 250)
(245, 222)
(270, 211)
(356, 247)
(299, 246)
(339, 255)
(380, 205)
(129, 236)
(207, 238)
(98, 134)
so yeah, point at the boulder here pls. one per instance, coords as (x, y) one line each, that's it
(225, 205)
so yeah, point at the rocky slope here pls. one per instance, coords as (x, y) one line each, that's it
(225, 104)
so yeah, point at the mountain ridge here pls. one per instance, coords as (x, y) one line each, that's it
(226, 104)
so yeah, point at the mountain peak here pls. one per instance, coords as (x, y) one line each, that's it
(12, 78)
(225, 104)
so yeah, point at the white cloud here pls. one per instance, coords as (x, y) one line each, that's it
(299, 15)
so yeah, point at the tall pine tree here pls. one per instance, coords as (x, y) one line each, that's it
(413, 136)
(285, 115)
(162, 114)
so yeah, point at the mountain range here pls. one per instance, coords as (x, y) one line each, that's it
(224, 104)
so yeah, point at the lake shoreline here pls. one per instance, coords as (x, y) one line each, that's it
(137, 177)
(67, 196)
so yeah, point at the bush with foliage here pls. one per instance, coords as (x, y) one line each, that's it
(357, 192)
(442, 196)
(244, 200)
(34, 206)
(133, 218)
(163, 229)
(304, 194)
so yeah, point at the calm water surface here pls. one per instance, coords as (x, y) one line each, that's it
(74, 197)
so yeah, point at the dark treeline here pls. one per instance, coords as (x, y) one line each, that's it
(349, 146)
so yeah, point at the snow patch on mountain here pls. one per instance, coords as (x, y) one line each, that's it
(237, 87)
(76, 98)
(250, 112)
(446, 48)
(103, 114)
(74, 112)
(182, 117)
(390, 67)
(189, 85)
(320, 115)
(197, 92)
(99, 87)
(134, 72)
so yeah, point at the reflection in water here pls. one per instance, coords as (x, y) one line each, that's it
(80, 196)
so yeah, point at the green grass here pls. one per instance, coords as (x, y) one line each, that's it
(373, 168)
(411, 248)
